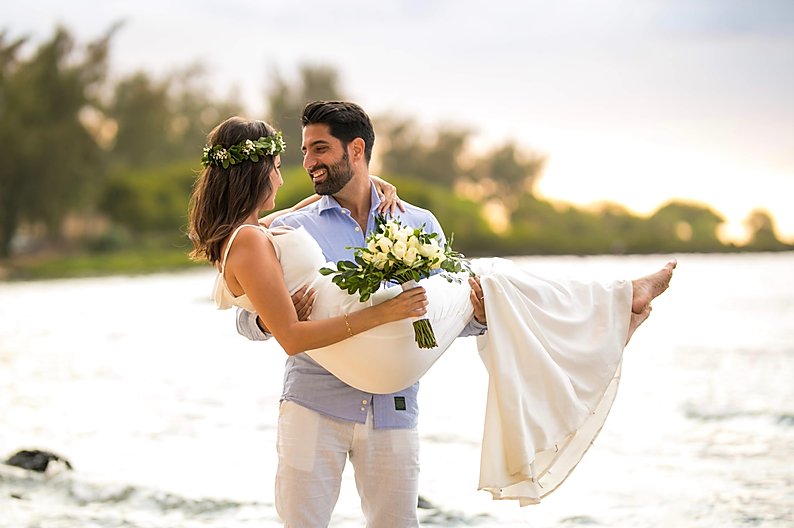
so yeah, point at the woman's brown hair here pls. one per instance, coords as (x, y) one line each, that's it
(223, 198)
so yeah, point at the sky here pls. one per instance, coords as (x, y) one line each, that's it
(631, 101)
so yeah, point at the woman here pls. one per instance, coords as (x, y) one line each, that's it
(553, 349)
(227, 200)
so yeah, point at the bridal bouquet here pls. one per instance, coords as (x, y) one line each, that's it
(398, 254)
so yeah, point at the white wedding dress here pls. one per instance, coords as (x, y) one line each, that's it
(553, 352)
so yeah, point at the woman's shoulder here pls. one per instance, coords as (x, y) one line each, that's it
(250, 232)
(250, 239)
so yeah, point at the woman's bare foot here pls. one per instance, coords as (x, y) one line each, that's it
(637, 320)
(651, 286)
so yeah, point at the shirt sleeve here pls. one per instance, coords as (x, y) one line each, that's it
(473, 329)
(247, 327)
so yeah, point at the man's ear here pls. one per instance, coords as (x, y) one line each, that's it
(357, 147)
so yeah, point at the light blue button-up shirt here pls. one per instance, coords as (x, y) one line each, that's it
(305, 381)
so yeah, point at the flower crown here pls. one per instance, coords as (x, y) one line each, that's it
(245, 150)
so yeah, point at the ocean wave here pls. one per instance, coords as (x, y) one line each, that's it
(727, 414)
(71, 499)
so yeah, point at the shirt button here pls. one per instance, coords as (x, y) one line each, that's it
(363, 408)
(358, 229)
(363, 402)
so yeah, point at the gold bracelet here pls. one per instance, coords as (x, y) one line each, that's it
(347, 324)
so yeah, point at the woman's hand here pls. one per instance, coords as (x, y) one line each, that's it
(389, 201)
(410, 303)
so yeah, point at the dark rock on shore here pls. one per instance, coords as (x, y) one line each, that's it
(36, 460)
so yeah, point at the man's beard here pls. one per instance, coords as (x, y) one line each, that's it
(336, 176)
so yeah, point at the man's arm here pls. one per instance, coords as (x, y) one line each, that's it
(473, 329)
(248, 327)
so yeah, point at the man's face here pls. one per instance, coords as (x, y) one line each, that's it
(325, 160)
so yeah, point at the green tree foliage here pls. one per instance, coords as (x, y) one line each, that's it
(44, 101)
(140, 109)
(542, 227)
(458, 216)
(152, 199)
(502, 174)
(132, 150)
(10, 180)
(161, 121)
(763, 234)
(286, 101)
(162, 126)
(406, 148)
(685, 226)
(506, 173)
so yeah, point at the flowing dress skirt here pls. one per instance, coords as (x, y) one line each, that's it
(553, 353)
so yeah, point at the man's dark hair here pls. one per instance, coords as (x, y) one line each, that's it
(346, 122)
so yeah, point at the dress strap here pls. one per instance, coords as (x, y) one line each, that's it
(234, 235)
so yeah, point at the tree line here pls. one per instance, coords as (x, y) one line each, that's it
(117, 158)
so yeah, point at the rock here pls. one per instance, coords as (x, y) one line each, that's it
(36, 460)
(425, 504)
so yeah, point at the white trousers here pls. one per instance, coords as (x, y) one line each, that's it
(312, 451)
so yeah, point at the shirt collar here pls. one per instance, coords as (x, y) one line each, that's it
(327, 202)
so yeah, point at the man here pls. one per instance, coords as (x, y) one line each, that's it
(323, 421)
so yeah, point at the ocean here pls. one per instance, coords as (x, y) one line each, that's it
(169, 417)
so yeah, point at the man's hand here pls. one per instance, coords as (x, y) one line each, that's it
(477, 300)
(303, 300)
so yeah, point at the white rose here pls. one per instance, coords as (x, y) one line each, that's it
(399, 248)
(430, 249)
(379, 260)
(391, 230)
(410, 256)
(384, 244)
(400, 235)
(438, 259)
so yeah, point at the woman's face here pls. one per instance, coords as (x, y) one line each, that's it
(275, 182)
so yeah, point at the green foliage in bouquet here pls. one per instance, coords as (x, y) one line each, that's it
(395, 253)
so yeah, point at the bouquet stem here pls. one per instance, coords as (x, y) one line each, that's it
(423, 330)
